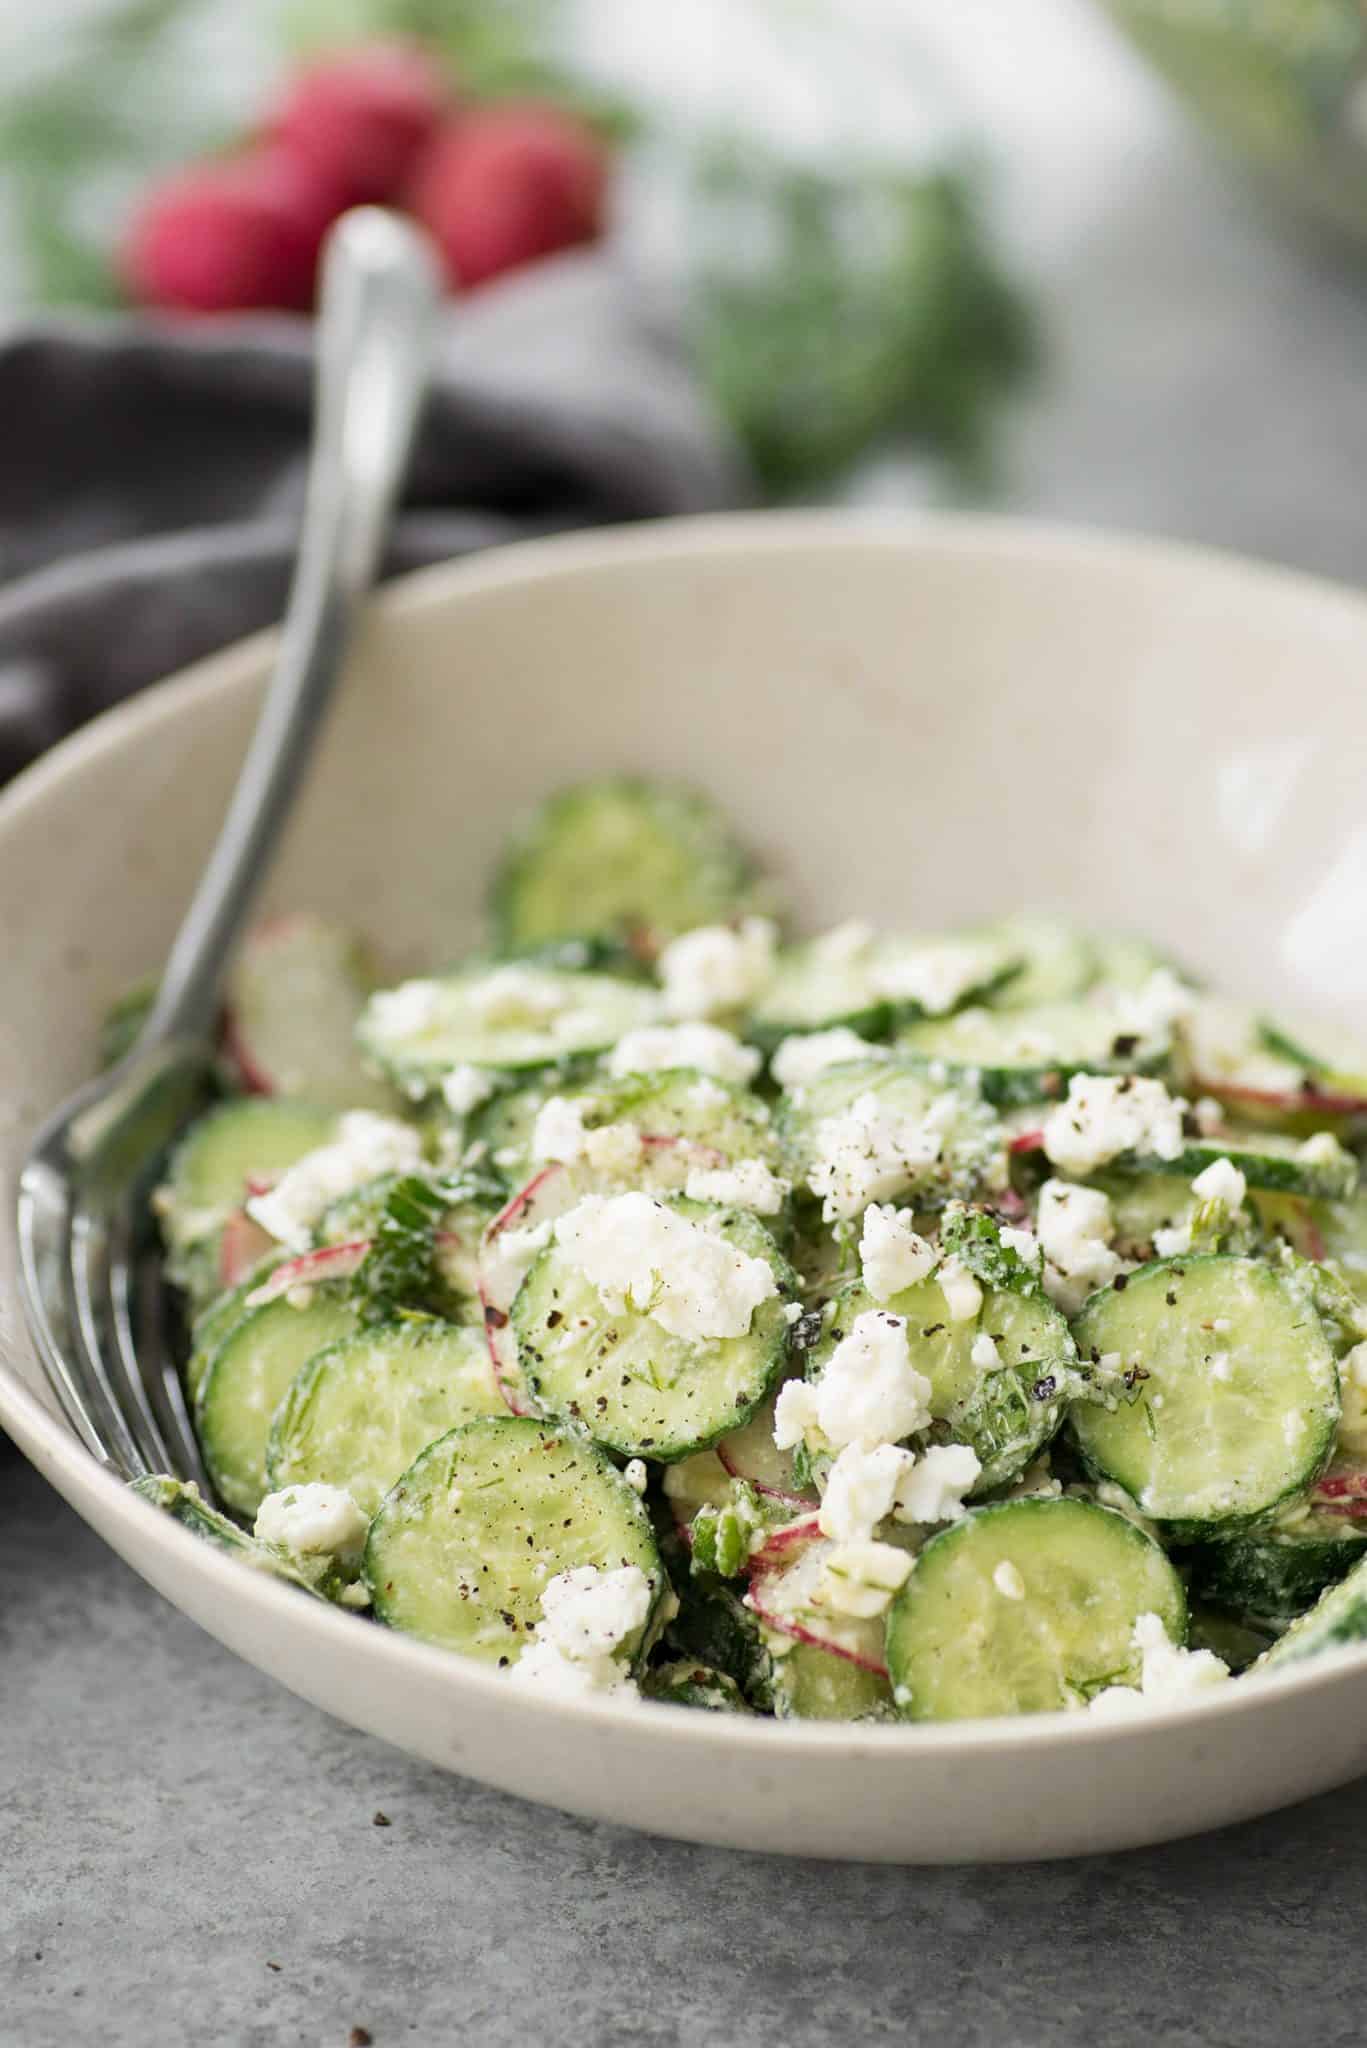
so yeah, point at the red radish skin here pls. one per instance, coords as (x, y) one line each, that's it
(1339, 1487)
(362, 119)
(1286, 1101)
(547, 1194)
(779, 1544)
(754, 1600)
(505, 185)
(243, 1242)
(1027, 1141)
(797, 1500)
(1314, 1241)
(231, 237)
(330, 1262)
(252, 1077)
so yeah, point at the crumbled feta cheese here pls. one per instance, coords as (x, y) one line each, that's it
(1222, 1366)
(933, 1490)
(717, 969)
(464, 1088)
(1151, 1011)
(1075, 1231)
(634, 1472)
(844, 943)
(704, 1047)
(587, 1615)
(868, 1152)
(892, 1256)
(1008, 1581)
(514, 995)
(639, 1254)
(1023, 1243)
(1209, 1115)
(859, 1579)
(799, 1060)
(1352, 1431)
(510, 1257)
(365, 1147)
(1323, 1149)
(747, 1185)
(313, 1521)
(861, 1489)
(1221, 1182)
(559, 1135)
(985, 1354)
(406, 1011)
(794, 1416)
(870, 1392)
(1107, 1114)
(1170, 1241)
(963, 1296)
(1170, 1672)
(935, 978)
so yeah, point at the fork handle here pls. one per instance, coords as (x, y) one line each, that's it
(380, 289)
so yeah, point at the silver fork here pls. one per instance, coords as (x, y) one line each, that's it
(90, 1281)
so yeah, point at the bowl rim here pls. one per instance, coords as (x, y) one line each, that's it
(54, 1448)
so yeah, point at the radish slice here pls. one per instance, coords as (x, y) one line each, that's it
(310, 1269)
(548, 1194)
(1286, 1101)
(781, 1544)
(789, 1601)
(751, 1454)
(1027, 1141)
(294, 995)
(239, 1056)
(1345, 1492)
(242, 1244)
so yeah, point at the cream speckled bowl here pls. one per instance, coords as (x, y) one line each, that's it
(912, 720)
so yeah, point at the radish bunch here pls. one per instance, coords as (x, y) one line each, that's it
(496, 186)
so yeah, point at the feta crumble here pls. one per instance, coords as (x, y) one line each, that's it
(586, 1616)
(465, 1088)
(963, 1296)
(935, 978)
(984, 1353)
(1170, 1672)
(1023, 1243)
(800, 1060)
(869, 1394)
(1008, 1581)
(559, 1136)
(365, 1147)
(515, 995)
(747, 1185)
(892, 1255)
(639, 1254)
(1221, 1182)
(406, 1011)
(859, 1579)
(1107, 1114)
(706, 1048)
(933, 1490)
(868, 1152)
(861, 1490)
(1075, 1230)
(716, 969)
(313, 1521)
(634, 1472)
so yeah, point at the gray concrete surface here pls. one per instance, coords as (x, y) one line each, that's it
(190, 1855)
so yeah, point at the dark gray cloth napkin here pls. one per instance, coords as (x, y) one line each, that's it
(153, 473)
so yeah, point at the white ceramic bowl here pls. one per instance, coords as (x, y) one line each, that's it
(915, 720)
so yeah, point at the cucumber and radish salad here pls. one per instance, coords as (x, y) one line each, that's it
(664, 1304)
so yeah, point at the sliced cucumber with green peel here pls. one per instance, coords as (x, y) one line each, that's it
(249, 1376)
(812, 1684)
(871, 985)
(182, 1500)
(1142, 1204)
(1267, 1159)
(293, 998)
(360, 1411)
(970, 1154)
(1234, 1398)
(642, 861)
(1126, 962)
(1277, 1572)
(1018, 1056)
(628, 1382)
(227, 1149)
(463, 1546)
(507, 1018)
(214, 1322)
(1007, 1413)
(1025, 1607)
(1337, 1621)
(1058, 962)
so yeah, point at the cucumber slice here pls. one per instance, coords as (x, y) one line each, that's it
(684, 1682)
(503, 1125)
(294, 996)
(1240, 1399)
(1021, 1055)
(869, 984)
(1008, 1413)
(247, 1379)
(360, 1411)
(182, 1500)
(1236, 1641)
(1058, 962)
(223, 1151)
(640, 860)
(1142, 1204)
(465, 1542)
(689, 1119)
(971, 1157)
(629, 1383)
(960, 1648)
(1337, 1621)
(1126, 962)
(812, 1684)
(1277, 1573)
(223, 1313)
(508, 1018)
(1269, 1160)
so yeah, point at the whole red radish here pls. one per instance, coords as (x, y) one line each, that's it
(230, 236)
(506, 184)
(362, 118)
